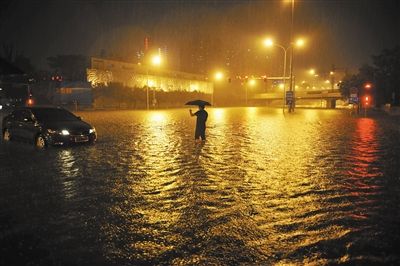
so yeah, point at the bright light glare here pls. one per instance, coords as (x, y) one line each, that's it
(312, 71)
(64, 132)
(194, 87)
(300, 43)
(219, 75)
(252, 82)
(268, 42)
(156, 60)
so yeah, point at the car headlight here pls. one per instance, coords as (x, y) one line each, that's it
(64, 132)
(92, 130)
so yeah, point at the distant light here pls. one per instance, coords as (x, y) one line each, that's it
(268, 42)
(327, 81)
(312, 71)
(64, 132)
(331, 73)
(30, 101)
(219, 75)
(252, 82)
(300, 42)
(156, 60)
(368, 86)
(281, 86)
(194, 87)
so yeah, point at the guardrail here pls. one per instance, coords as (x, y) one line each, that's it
(331, 94)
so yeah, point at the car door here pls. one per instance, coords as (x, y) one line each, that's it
(13, 123)
(27, 125)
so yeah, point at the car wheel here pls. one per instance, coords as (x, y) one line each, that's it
(40, 142)
(6, 135)
(92, 140)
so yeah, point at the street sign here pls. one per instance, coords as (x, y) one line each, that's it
(353, 99)
(353, 95)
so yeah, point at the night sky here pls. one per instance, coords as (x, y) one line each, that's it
(345, 33)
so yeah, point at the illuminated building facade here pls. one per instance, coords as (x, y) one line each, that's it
(105, 71)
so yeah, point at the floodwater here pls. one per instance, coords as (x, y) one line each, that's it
(314, 187)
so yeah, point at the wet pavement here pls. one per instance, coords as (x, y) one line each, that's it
(314, 187)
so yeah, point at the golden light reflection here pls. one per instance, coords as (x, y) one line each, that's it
(252, 110)
(365, 148)
(70, 172)
(218, 114)
(158, 117)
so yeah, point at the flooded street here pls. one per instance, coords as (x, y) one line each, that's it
(314, 187)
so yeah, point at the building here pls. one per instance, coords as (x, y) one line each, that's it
(105, 71)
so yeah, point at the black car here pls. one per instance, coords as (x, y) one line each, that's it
(47, 126)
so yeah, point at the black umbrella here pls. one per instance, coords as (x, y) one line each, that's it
(198, 102)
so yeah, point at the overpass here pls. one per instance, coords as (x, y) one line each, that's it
(330, 96)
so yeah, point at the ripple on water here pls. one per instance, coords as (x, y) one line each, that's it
(316, 187)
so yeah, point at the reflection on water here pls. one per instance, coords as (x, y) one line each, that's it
(265, 188)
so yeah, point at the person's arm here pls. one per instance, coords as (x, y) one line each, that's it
(191, 113)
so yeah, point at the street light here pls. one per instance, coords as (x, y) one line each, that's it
(218, 76)
(270, 43)
(155, 61)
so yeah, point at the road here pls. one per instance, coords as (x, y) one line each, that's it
(315, 186)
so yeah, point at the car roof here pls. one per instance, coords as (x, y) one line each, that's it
(39, 107)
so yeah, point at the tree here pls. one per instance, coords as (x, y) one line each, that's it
(72, 67)
(365, 74)
(384, 75)
(387, 76)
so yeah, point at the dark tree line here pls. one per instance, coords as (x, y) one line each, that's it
(383, 75)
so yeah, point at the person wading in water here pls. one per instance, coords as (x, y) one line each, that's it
(200, 133)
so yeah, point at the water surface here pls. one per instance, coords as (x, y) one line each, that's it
(317, 186)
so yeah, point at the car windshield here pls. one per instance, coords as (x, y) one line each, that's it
(53, 114)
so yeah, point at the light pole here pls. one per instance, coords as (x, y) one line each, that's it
(299, 43)
(218, 76)
(292, 104)
(155, 61)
